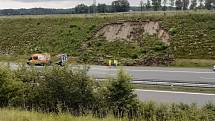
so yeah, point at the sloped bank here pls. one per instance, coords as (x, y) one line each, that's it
(191, 36)
(130, 42)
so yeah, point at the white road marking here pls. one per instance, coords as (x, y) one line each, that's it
(166, 71)
(173, 92)
(207, 78)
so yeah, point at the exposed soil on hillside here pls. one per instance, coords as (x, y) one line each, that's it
(133, 31)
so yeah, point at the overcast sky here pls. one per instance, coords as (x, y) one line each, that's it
(4, 4)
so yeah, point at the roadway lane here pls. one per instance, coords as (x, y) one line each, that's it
(175, 97)
(160, 73)
(191, 75)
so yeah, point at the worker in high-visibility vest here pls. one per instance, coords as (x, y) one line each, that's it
(109, 63)
(115, 62)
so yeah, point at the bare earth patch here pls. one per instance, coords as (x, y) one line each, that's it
(133, 31)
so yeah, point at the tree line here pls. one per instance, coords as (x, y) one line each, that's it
(119, 6)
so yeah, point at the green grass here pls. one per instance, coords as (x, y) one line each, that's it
(16, 58)
(194, 63)
(192, 37)
(20, 115)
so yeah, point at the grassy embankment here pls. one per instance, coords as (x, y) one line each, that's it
(192, 38)
(20, 115)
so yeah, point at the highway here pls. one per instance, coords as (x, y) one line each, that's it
(182, 75)
(169, 74)
(152, 74)
(169, 97)
(191, 75)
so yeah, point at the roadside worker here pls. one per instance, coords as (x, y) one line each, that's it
(109, 63)
(115, 63)
(63, 59)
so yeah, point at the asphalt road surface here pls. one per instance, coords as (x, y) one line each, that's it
(191, 75)
(175, 97)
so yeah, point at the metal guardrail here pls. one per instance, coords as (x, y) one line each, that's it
(173, 83)
(151, 82)
(169, 83)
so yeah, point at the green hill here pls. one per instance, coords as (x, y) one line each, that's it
(94, 39)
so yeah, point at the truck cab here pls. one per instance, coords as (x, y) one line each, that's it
(39, 59)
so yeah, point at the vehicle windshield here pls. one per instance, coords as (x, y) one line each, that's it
(35, 57)
(42, 58)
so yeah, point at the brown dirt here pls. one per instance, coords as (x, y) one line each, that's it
(133, 30)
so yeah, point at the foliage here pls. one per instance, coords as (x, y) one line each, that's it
(142, 5)
(209, 4)
(194, 63)
(102, 8)
(179, 4)
(120, 6)
(201, 4)
(193, 4)
(81, 8)
(121, 98)
(190, 32)
(9, 87)
(156, 4)
(148, 5)
(186, 4)
(61, 89)
(152, 112)
(172, 3)
(164, 8)
(61, 92)
(146, 51)
(172, 31)
(23, 115)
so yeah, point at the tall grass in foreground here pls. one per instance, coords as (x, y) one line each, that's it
(19, 115)
(151, 112)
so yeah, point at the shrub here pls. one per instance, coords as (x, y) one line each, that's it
(72, 90)
(173, 31)
(9, 88)
(4, 98)
(121, 98)
(150, 111)
(162, 113)
(62, 89)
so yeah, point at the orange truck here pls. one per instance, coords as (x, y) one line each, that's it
(45, 59)
(39, 59)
